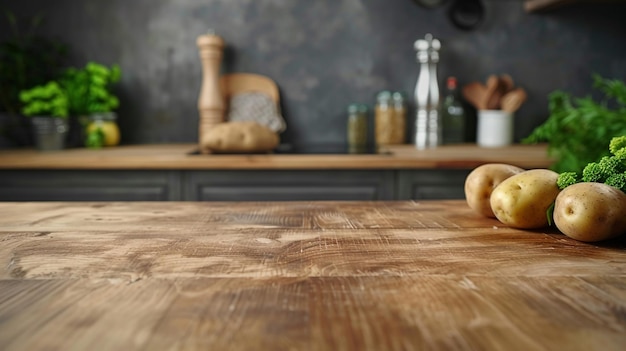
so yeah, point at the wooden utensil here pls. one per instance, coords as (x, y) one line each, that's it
(474, 94)
(493, 94)
(507, 83)
(512, 101)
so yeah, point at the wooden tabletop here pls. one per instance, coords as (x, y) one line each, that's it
(181, 157)
(299, 276)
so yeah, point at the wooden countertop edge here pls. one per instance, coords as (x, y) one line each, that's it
(179, 157)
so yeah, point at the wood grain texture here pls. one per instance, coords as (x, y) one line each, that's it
(299, 276)
(544, 5)
(531, 6)
(178, 157)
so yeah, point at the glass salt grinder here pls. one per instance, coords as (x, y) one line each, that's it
(427, 126)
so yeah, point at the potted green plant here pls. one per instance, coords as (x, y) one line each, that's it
(48, 105)
(26, 60)
(90, 95)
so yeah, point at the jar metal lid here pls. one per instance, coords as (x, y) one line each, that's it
(398, 96)
(103, 116)
(384, 95)
(357, 108)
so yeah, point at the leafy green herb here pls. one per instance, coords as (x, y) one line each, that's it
(45, 100)
(550, 214)
(578, 129)
(95, 138)
(89, 88)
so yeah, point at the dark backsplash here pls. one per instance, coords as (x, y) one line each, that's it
(325, 54)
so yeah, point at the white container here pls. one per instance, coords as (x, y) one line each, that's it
(495, 128)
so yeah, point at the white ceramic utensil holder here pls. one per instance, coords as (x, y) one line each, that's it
(495, 128)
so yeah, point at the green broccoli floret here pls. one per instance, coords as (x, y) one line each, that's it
(566, 179)
(593, 173)
(603, 169)
(612, 165)
(610, 170)
(621, 155)
(617, 143)
(617, 181)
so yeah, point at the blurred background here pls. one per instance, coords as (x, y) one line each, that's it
(323, 54)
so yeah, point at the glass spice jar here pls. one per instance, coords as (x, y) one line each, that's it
(383, 119)
(399, 116)
(390, 118)
(357, 128)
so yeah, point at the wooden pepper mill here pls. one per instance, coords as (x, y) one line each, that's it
(210, 101)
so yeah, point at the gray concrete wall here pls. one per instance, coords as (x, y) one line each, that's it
(325, 54)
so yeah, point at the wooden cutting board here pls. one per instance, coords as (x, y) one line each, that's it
(299, 276)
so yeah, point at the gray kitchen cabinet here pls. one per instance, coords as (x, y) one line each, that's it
(230, 185)
(76, 185)
(431, 184)
(288, 185)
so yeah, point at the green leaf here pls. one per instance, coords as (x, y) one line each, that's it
(550, 215)
(578, 129)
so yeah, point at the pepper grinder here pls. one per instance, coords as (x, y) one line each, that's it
(210, 102)
(427, 124)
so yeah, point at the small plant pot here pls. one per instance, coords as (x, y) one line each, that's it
(50, 133)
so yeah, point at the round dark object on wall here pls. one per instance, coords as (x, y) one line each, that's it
(466, 14)
(430, 3)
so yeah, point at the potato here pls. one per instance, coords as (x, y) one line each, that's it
(590, 212)
(482, 180)
(521, 201)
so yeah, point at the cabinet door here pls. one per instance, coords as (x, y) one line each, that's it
(431, 184)
(288, 185)
(89, 186)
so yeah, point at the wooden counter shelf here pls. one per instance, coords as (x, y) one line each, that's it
(406, 275)
(179, 157)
